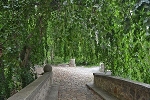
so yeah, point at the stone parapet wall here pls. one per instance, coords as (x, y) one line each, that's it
(123, 89)
(37, 90)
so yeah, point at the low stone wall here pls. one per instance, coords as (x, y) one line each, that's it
(37, 90)
(121, 88)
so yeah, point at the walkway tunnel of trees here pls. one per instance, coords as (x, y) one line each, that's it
(116, 32)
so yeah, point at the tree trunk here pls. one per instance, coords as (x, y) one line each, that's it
(2, 77)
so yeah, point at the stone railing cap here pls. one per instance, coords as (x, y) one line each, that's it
(31, 89)
(123, 79)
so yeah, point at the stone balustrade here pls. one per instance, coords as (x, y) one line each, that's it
(121, 88)
(38, 89)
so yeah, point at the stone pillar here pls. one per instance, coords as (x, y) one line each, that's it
(101, 67)
(72, 63)
(48, 68)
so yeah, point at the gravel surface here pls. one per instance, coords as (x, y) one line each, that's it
(72, 83)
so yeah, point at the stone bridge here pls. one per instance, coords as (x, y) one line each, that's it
(78, 83)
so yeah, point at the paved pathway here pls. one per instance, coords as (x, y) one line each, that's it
(72, 83)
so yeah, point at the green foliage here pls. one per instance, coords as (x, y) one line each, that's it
(23, 25)
(91, 31)
(57, 60)
(114, 32)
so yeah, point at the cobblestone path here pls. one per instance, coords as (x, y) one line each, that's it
(72, 83)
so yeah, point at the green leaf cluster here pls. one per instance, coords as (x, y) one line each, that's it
(114, 32)
(23, 25)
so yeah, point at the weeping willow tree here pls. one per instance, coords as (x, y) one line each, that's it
(72, 32)
(23, 42)
(113, 32)
(91, 31)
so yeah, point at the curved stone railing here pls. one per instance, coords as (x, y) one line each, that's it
(123, 89)
(37, 90)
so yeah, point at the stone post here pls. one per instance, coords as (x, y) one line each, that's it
(72, 63)
(48, 68)
(102, 67)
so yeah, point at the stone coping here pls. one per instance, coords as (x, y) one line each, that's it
(102, 93)
(121, 88)
(52, 93)
(32, 89)
(126, 81)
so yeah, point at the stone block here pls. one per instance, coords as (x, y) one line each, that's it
(72, 63)
(101, 67)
